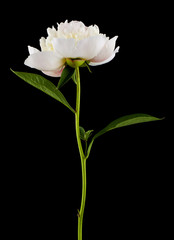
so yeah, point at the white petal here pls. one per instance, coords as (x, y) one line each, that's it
(32, 50)
(88, 48)
(107, 60)
(71, 27)
(55, 73)
(44, 61)
(76, 29)
(43, 44)
(52, 31)
(106, 51)
(64, 47)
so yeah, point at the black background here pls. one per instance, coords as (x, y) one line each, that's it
(129, 169)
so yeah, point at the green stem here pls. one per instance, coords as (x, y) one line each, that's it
(82, 156)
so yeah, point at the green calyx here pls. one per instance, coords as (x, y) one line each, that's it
(74, 63)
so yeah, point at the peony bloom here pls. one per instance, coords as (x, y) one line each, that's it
(71, 41)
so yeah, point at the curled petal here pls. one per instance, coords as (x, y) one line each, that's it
(43, 44)
(106, 51)
(54, 73)
(90, 47)
(67, 29)
(76, 30)
(44, 61)
(107, 60)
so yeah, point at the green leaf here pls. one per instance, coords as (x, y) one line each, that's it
(127, 121)
(122, 122)
(44, 85)
(82, 133)
(65, 76)
(88, 134)
(85, 135)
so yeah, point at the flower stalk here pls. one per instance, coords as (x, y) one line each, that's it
(82, 156)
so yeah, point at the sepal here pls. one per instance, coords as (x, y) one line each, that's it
(74, 63)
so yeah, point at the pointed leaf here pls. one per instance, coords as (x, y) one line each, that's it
(85, 135)
(65, 76)
(126, 121)
(45, 86)
(122, 122)
(89, 133)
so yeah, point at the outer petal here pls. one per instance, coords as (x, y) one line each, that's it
(55, 73)
(107, 60)
(64, 47)
(86, 48)
(90, 47)
(106, 51)
(44, 61)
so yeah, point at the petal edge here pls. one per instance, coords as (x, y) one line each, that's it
(106, 60)
(44, 61)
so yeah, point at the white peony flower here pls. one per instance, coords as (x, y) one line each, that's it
(70, 41)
